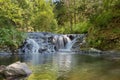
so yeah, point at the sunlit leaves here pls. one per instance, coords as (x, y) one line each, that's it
(24, 13)
(42, 16)
(12, 12)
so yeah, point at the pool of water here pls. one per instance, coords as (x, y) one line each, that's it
(66, 66)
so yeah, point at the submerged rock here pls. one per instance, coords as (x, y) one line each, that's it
(95, 50)
(14, 70)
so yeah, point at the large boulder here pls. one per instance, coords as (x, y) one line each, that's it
(17, 69)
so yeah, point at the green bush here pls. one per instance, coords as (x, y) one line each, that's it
(63, 30)
(103, 19)
(81, 27)
(10, 38)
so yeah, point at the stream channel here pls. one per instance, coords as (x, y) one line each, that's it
(64, 65)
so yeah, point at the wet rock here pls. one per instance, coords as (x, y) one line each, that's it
(95, 50)
(30, 46)
(42, 49)
(17, 69)
(71, 37)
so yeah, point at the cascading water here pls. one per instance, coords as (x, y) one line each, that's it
(61, 41)
(38, 45)
(30, 46)
(70, 44)
(50, 43)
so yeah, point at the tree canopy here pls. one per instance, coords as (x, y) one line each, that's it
(61, 16)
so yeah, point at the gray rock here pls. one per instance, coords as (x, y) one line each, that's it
(2, 68)
(17, 69)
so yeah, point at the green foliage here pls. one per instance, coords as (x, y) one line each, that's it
(104, 32)
(81, 27)
(42, 22)
(95, 42)
(61, 13)
(74, 12)
(11, 38)
(10, 20)
(63, 30)
(10, 15)
(42, 18)
(71, 16)
(24, 15)
(103, 19)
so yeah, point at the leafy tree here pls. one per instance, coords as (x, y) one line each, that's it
(61, 12)
(42, 17)
(23, 16)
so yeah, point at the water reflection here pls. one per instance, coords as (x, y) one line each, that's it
(37, 58)
(64, 61)
(6, 60)
(65, 66)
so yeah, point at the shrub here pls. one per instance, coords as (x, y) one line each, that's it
(103, 19)
(11, 38)
(81, 27)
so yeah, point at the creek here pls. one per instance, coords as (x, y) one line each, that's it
(58, 59)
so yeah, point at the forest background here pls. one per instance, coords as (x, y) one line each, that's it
(99, 19)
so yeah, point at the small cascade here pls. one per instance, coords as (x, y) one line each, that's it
(50, 43)
(38, 43)
(67, 41)
(30, 46)
(73, 42)
(70, 44)
(60, 41)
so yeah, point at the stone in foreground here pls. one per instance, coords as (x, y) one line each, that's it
(17, 69)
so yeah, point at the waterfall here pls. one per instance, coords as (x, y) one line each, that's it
(38, 42)
(73, 42)
(50, 43)
(30, 46)
(60, 41)
(70, 44)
